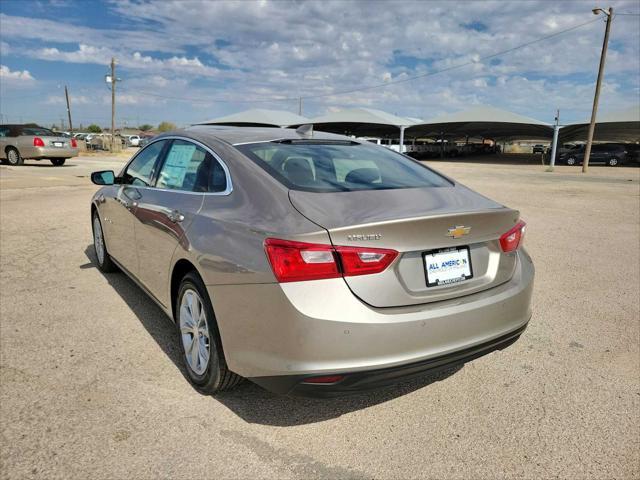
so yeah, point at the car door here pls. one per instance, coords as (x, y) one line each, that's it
(189, 171)
(598, 154)
(4, 133)
(122, 201)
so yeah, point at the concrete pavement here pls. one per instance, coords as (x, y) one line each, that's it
(92, 384)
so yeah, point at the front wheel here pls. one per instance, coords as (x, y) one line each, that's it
(13, 157)
(57, 162)
(571, 161)
(613, 162)
(201, 346)
(102, 255)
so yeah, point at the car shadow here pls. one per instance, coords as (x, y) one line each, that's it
(249, 401)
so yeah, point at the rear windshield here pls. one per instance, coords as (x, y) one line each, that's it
(340, 167)
(43, 132)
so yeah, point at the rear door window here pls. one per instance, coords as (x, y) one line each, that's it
(340, 166)
(190, 168)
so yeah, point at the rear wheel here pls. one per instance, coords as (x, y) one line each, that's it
(571, 161)
(613, 162)
(13, 157)
(58, 162)
(203, 357)
(104, 260)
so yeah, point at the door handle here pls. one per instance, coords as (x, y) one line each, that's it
(175, 216)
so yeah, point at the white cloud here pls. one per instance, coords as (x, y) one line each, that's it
(15, 76)
(245, 51)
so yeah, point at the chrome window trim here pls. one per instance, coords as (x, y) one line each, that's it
(226, 191)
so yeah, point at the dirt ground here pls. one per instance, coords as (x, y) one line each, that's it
(92, 384)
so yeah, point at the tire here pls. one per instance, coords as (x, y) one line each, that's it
(13, 157)
(571, 161)
(57, 162)
(209, 374)
(103, 260)
(613, 162)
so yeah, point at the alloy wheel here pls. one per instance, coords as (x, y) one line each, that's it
(12, 157)
(194, 331)
(98, 239)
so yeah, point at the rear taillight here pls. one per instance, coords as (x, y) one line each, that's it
(74, 143)
(38, 142)
(512, 239)
(299, 261)
(364, 261)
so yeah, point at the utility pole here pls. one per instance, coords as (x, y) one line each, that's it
(66, 94)
(300, 106)
(596, 97)
(113, 102)
(554, 143)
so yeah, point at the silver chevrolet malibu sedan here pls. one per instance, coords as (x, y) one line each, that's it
(310, 263)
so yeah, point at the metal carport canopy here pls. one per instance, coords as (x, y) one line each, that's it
(620, 126)
(362, 122)
(483, 121)
(258, 117)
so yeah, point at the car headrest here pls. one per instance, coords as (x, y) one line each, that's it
(299, 171)
(363, 175)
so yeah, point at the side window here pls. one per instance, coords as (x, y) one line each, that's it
(190, 168)
(4, 131)
(140, 170)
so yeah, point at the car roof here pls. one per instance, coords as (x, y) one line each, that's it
(241, 135)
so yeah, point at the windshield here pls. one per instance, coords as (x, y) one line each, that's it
(340, 167)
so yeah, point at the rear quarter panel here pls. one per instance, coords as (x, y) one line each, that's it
(225, 240)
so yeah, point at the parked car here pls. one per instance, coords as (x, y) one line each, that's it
(132, 140)
(612, 154)
(144, 140)
(538, 149)
(20, 142)
(311, 264)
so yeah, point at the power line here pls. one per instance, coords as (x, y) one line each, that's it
(380, 85)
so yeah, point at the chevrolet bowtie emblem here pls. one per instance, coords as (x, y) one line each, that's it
(458, 231)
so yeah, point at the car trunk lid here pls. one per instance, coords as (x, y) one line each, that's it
(414, 221)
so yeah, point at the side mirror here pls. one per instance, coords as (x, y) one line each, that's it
(104, 177)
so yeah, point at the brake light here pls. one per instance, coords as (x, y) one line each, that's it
(300, 261)
(74, 143)
(38, 142)
(512, 239)
(365, 261)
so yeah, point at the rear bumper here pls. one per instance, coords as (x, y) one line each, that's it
(372, 379)
(48, 152)
(297, 330)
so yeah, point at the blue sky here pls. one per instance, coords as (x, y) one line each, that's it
(186, 61)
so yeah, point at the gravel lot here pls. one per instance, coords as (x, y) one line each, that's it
(92, 387)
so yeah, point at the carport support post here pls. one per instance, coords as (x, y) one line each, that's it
(603, 56)
(402, 139)
(554, 143)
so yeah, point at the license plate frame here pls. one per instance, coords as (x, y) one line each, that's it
(437, 282)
